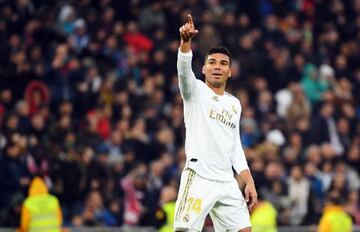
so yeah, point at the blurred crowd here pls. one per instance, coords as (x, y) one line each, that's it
(89, 101)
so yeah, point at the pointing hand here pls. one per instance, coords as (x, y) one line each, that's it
(188, 31)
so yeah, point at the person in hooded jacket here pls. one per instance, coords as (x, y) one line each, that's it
(41, 211)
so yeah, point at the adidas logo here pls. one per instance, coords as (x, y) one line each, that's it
(234, 109)
(215, 98)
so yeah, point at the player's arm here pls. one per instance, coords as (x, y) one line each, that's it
(185, 73)
(242, 169)
(250, 189)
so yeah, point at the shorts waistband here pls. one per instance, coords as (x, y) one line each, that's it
(202, 177)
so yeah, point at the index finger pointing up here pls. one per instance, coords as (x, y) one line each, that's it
(189, 19)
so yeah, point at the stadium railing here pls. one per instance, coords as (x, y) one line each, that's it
(149, 229)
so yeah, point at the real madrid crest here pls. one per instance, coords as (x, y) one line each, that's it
(186, 218)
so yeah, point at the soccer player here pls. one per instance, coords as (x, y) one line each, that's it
(212, 145)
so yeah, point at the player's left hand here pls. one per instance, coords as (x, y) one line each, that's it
(251, 196)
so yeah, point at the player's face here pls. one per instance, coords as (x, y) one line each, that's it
(217, 69)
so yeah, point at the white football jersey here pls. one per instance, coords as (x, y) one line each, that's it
(212, 142)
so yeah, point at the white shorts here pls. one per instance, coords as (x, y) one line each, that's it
(199, 196)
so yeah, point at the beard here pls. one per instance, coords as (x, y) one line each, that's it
(216, 83)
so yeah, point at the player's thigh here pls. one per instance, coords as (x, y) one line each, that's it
(195, 199)
(230, 213)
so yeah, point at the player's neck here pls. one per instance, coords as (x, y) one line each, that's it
(218, 90)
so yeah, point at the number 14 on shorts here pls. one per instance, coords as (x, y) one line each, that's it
(193, 204)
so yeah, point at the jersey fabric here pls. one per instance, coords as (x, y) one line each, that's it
(200, 196)
(212, 141)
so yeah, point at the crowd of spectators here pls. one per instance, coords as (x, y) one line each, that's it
(89, 101)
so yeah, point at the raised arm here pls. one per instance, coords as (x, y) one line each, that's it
(187, 32)
(186, 75)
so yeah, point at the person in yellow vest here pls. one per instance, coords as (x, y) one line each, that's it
(263, 217)
(334, 218)
(167, 211)
(41, 211)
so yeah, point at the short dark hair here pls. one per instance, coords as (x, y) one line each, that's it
(220, 49)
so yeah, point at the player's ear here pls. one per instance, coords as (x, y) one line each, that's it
(229, 75)
(203, 70)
